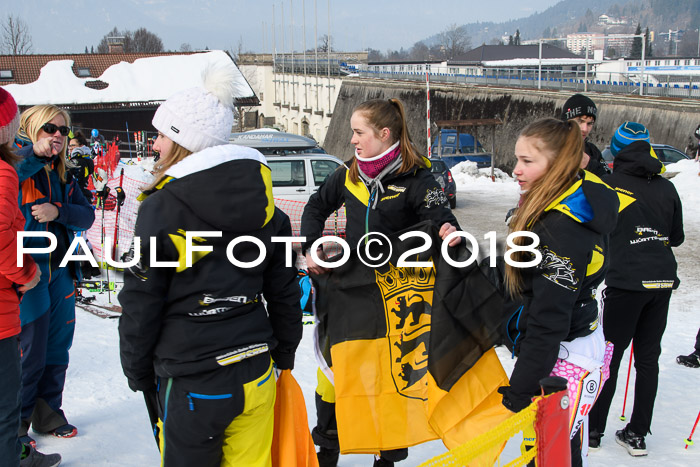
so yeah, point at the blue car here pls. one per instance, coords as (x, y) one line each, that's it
(453, 151)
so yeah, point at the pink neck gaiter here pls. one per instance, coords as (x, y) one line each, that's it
(371, 167)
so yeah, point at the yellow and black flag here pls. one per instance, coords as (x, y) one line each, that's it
(411, 348)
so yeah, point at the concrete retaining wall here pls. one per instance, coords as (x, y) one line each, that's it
(670, 121)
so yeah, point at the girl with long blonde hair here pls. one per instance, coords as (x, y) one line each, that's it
(553, 325)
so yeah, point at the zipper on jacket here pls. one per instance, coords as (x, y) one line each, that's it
(48, 178)
(193, 395)
(369, 206)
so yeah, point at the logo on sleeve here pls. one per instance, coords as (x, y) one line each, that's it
(435, 197)
(558, 269)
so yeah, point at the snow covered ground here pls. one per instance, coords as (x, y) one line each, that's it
(114, 428)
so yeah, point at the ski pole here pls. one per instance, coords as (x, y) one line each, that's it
(689, 440)
(120, 200)
(627, 384)
(128, 138)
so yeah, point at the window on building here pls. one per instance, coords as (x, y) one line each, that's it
(83, 72)
(6, 74)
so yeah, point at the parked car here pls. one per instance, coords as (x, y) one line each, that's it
(299, 165)
(666, 154)
(297, 177)
(453, 148)
(442, 174)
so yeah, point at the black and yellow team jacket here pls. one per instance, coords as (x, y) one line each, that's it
(650, 223)
(558, 300)
(180, 321)
(408, 198)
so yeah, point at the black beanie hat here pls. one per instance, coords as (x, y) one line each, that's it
(578, 105)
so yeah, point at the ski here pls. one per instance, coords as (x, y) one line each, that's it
(97, 286)
(103, 311)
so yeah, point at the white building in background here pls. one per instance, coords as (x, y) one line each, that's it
(577, 43)
(296, 95)
(605, 20)
(681, 72)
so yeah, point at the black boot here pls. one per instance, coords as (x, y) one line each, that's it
(691, 361)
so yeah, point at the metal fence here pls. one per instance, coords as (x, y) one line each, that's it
(617, 83)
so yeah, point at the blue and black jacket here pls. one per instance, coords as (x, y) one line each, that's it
(558, 300)
(40, 184)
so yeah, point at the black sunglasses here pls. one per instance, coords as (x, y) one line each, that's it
(50, 128)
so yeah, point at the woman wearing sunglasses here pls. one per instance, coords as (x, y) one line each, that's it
(52, 204)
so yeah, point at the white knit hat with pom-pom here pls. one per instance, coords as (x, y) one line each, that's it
(201, 117)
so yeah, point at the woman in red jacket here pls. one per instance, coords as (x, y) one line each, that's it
(14, 280)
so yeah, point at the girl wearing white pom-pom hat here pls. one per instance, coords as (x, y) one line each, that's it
(195, 334)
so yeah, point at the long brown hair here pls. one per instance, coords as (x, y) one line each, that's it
(8, 155)
(30, 124)
(389, 113)
(562, 144)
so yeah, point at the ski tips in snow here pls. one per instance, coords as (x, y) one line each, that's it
(102, 311)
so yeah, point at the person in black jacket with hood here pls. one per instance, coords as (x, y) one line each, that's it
(583, 111)
(199, 331)
(553, 327)
(385, 188)
(641, 277)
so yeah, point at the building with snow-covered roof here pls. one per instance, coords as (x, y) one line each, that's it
(106, 91)
(486, 59)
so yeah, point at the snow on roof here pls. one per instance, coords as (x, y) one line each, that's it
(545, 62)
(151, 79)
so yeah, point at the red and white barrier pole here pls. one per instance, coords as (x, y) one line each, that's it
(427, 115)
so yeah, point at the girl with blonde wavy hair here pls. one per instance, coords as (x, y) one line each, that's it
(52, 203)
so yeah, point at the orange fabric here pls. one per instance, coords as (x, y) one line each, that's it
(30, 193)
(291, 442)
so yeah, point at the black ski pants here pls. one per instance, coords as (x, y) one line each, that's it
(638, 317)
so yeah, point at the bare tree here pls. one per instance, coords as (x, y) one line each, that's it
(144, 41)
(16, 39)
(139, 41)
(374, 55)
(325, 42)
(420, 51)
(185, 47)
(454, 41)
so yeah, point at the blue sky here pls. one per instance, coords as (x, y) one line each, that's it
(69, 26)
